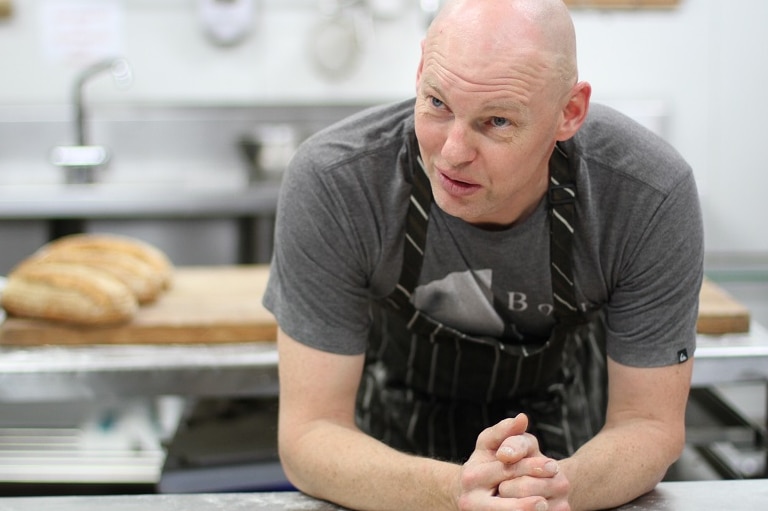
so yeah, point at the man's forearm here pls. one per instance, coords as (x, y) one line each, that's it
(350, 468)
(620, 464)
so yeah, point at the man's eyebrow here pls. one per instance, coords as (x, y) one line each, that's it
(430, 83)
(499, 105)
(505, 106)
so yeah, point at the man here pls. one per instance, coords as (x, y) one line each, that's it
(487, 297)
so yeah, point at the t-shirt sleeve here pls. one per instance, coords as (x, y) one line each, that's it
(652, 312)
(317, 286)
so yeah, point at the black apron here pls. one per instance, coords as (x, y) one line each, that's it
(429, 389)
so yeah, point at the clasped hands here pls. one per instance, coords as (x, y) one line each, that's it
(508, 472)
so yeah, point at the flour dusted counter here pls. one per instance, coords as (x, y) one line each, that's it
(685, 496)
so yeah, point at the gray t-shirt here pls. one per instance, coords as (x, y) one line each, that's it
(638, 249)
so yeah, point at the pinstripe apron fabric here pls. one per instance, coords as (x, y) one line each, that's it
(429, 389)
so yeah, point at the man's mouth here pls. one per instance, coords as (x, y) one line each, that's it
(456, 187)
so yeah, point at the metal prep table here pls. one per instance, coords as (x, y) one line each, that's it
(60, 374)
(679, 496)
(732, 358)
(48, 373)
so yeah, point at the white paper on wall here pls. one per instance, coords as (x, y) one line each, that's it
(79, 32)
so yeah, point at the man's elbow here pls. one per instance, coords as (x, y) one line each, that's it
(291, 463)
(676, 442)
(673, 449)
(290, 473)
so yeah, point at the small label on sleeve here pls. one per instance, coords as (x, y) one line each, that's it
(682, 356)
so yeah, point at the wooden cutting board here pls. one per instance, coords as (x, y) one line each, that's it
(222, 304)
(719, 312)
(211, 304)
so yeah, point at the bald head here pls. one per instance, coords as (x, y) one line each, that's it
(500, 28)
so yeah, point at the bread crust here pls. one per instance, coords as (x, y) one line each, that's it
(87, 279)
(114, 244)
(69, 293)
(141, 278)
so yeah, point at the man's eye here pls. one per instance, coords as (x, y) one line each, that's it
(436, 102)
(499, 122)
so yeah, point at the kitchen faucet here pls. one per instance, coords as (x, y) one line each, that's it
(123, 76)
(82, 159)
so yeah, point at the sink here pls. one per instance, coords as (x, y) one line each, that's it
(141, 192)
(170, 160)
(128, 178)
(178, 176)
(202, 184)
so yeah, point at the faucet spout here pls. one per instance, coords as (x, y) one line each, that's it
(123, 77)
(81, 161)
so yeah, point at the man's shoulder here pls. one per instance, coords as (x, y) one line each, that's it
(345, 165)
(613, 142)
(370, 131)
(609, 132)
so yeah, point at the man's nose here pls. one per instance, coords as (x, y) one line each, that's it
(459, 146)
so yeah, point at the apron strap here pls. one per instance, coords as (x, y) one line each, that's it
(417, 221)
(562, 205)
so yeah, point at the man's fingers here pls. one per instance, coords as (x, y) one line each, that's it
(526, 487)
(539, 466)
(491, 475)
(492, 438)
(515, 448)
(554, 487)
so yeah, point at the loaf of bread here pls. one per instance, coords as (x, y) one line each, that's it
(141, 266)
(114, 246)
(88, 279)
(69, 293)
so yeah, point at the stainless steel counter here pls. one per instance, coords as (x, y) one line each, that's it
(52, 372)
(749, 495)
(140, 201)
(49, 373)
(732, 357)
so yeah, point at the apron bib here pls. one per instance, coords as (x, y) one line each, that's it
(429, 389)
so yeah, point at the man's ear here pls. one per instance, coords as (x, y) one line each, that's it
(575, 111)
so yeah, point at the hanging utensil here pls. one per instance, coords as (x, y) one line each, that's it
(335, 41)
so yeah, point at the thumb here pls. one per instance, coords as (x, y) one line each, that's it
(520, 424)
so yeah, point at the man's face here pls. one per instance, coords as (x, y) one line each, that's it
(486, 125)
